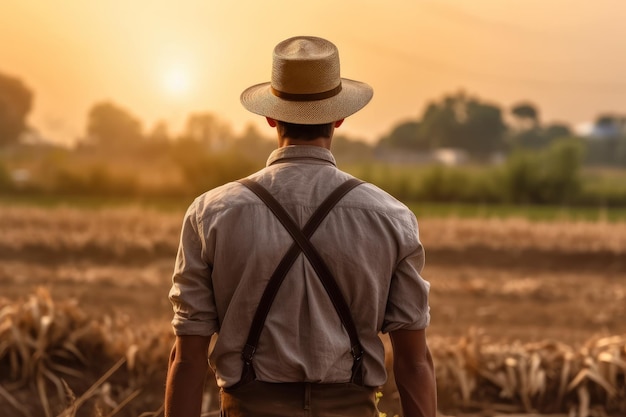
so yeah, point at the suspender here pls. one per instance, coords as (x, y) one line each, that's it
(301, 243)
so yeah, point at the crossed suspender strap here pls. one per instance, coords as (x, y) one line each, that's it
(302, 244)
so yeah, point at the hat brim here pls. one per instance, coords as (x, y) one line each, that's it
(354, 95)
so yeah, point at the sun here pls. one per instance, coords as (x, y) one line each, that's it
(176, 81)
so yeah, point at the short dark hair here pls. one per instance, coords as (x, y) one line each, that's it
(304, 132)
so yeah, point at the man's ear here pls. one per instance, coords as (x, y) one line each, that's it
(339, 123)
(271, 122)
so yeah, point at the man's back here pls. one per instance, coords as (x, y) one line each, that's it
(369, 241)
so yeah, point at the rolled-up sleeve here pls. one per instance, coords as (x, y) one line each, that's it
(191, 294)
(407, 304)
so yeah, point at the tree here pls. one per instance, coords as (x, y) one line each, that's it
(465, 123)
(530, 134)
(253, 144)
(527, 115)
(483, 129)
(557, 131)
(16, 101)
(160, 133)
(609, 126)
(111, 126)
(440, 125)
(406, 135)
(208, 129)
(347, 149)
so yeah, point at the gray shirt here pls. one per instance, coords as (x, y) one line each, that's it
(231, 243)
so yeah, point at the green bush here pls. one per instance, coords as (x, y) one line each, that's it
(443, 184)
(187, 168)
(96, 180)
(551, 176)
(606, 189)
(203, 171)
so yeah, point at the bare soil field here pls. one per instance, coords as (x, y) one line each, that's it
(506, 283)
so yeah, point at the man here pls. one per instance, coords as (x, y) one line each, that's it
(342, 259)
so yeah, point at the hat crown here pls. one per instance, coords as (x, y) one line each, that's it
(306, 87)
(305, 65)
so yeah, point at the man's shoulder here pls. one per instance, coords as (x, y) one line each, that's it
(218, 199)
(371, 198)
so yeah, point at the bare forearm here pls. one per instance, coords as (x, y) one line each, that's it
(417, 388)
(183, 392)
(185, 384)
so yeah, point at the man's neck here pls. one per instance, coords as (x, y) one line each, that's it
(321, 142)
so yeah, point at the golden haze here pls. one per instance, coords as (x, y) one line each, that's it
(567, 57)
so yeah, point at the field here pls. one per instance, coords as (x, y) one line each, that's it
(527, 316)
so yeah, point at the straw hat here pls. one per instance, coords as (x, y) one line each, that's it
(306, 86)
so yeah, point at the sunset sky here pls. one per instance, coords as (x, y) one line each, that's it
(162, 60)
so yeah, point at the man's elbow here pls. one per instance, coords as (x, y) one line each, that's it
(414, 369)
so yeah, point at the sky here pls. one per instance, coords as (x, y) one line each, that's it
(163, 60)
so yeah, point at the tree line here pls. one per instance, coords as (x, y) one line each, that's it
(456, 121)
(540, 163)
(482, 130)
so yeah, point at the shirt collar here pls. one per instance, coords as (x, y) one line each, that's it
(299, 152)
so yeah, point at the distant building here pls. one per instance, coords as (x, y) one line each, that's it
(607, 127)
(450, 156)
(442, 156)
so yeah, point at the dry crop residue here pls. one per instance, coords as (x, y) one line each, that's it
(521, 311)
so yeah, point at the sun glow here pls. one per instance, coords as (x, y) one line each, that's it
(176, 81)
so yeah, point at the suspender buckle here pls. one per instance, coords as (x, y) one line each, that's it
(247, 353)
(357, 352)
